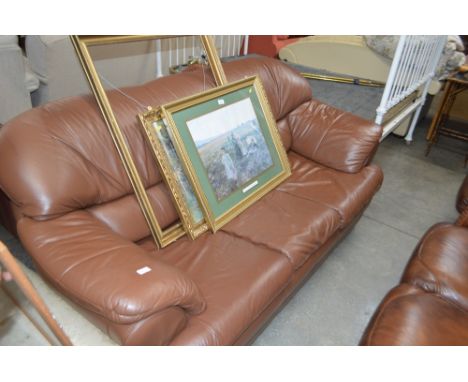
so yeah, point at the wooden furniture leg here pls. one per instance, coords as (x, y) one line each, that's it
(11, 265)
(437, 117)
(454, 86)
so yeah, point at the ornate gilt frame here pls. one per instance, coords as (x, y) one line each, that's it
(192, 228)
(81, 43)
(215, 223)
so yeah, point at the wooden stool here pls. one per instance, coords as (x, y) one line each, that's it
(11, 265)
(456, 84)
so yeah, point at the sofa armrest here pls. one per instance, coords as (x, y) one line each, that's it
(332, 137)
(97, 269)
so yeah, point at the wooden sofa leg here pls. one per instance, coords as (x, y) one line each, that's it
(11, 265)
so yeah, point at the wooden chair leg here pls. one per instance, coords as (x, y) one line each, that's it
(438, 115)
(11, 265)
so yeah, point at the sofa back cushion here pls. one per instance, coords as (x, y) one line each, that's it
(60, 157)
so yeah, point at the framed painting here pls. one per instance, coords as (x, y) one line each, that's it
(171, 168)
(229, 147)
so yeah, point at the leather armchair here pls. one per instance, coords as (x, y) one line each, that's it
(430, 306)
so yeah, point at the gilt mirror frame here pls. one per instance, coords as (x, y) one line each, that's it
(81, 43)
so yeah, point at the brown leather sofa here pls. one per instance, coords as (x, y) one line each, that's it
(430, 306)
(81, 223)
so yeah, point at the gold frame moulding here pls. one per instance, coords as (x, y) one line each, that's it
(220, 210)
(172, 172)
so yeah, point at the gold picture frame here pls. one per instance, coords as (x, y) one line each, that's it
(164, 154)
(207, 128)
(81, 43)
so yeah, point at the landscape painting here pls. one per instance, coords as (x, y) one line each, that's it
(231, 146)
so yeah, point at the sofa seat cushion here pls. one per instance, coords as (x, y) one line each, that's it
(286, 223)
(345, 193)
(440, 263)
(410, 316)
(237, 279)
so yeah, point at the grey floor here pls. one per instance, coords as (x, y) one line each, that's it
(359, 100)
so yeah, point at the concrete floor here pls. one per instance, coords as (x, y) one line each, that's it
(334, 306)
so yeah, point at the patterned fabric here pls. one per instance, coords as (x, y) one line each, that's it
(452, 55)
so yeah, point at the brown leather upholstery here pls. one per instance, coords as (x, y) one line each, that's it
(318, 131)
(430, 307)
(347, 194)
(410, 316)
(462, 203)
(83, 227)
(463, 218)
(462, 197)
(235, 284)
(440, 264)
(290, 230)
(96, 257)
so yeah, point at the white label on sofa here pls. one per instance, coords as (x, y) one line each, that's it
(220, 101)
(250, 186)
(143, 270)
